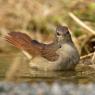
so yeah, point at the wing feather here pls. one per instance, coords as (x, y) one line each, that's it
(35, 48)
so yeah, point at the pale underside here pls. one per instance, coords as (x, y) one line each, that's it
(67, 59)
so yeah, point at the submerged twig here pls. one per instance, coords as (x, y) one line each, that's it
(27, 55)
(85, 56)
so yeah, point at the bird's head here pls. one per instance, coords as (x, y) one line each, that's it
(63, 34)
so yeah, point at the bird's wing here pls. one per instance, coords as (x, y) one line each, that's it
(24, 42)
(49, 51)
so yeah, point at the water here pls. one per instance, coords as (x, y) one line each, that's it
(43, 88)
(81, 82)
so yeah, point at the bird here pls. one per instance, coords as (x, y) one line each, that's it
(61, 54)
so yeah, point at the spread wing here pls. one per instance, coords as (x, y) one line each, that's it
(24, 42)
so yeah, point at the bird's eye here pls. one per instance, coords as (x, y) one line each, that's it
(58, 34)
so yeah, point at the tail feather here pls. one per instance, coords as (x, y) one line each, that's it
(19, 40)
(23, 42)
(33, 47)
(13, 42)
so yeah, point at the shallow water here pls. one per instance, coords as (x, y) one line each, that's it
(42, 88)
(84, 75)
(47, 83)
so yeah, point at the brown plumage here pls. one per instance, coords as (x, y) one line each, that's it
(33, 47)
(61, 54)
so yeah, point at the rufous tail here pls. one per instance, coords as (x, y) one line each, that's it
(19, 40)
